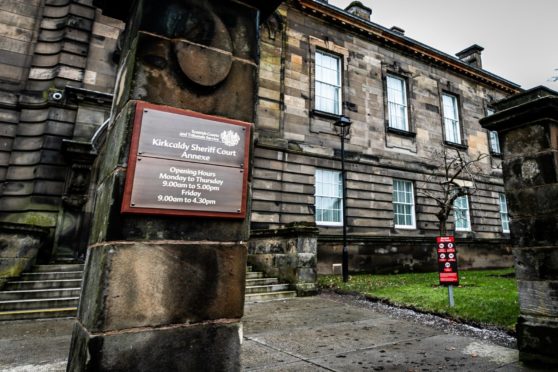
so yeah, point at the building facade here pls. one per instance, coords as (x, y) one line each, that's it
(406, 101)
(58, 66)
(57, 74)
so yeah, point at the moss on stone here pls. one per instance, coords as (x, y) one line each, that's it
(41, 219)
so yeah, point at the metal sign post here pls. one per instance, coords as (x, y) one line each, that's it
(447, 264)
(450, 296)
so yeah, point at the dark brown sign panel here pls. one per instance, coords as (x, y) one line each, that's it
(181, 185)
(190, 138)
(447, 260)
(187, 164)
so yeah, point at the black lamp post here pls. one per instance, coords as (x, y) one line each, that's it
(344, 123)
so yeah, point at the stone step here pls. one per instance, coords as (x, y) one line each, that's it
(271, 296)
(50, 275)
(42, 284)
(52, 291)
(67, 312)
(39, 293)
(267, 288)
(58, 267)
(39, 303)
(261, 281)
(254, 275)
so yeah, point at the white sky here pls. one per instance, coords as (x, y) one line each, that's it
(520, 37)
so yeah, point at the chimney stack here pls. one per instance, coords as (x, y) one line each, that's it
(471, 55)
(398, 30)
(356, 8)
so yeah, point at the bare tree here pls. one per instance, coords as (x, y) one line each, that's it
(454, 174)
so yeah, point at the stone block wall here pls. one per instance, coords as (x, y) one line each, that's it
(289, 254)
(47, 49)
(169, 286)
(386, 255)
(528, 126)
(19, 247)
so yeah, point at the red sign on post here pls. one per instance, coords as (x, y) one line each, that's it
(447, 260)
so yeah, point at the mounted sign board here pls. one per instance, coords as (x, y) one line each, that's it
(184, 163)
(447, 260)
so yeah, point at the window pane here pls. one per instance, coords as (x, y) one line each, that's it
(397, 103)
(451, 119)
(504, 216)
(328, 196)
(461, 213)
(327, 83)
(450, 107)
(494, 142)
(403, 204)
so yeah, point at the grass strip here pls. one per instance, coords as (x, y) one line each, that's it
(483, 298)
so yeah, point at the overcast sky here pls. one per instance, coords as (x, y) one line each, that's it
(520, 37)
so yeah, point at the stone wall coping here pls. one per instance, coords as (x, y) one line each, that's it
(165, 242)
(524, 109)
(413, 239)
(524, 97)
(20, 228)
(120, 9)
(284, 232)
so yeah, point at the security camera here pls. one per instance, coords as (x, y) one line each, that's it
(57, 96)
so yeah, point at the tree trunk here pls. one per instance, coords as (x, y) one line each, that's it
(443, 227)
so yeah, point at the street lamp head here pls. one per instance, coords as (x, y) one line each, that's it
(343, 122)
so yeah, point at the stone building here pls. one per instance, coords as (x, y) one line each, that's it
(405, 99)
(57, 74)
(58, 66)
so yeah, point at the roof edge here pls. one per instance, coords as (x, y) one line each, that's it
(400, 41)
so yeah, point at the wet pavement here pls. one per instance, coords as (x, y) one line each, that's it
(322, 333)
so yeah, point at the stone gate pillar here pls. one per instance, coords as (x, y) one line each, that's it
(528, 127)
(166, 292)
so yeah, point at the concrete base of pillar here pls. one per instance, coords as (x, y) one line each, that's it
(160, 306)
(537, 327)
(537, 338)
(202, 347)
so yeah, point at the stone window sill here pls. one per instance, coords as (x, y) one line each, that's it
(325, 115)
(459, 146)
(400, 132)
(496, 154)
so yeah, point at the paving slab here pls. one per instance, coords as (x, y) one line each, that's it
(321, 333)
(445, 352)
(305, 312)
(254, 355)
(325, 333)
(324, 339)
(35, 345)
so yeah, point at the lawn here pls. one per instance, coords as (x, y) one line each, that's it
(487, 297)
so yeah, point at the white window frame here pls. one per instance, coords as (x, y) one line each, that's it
(458, 207)
(452, 125)
(494, 142)
(324, 79)
(408, 203)
(493, 136)
(398, 114)
(331, 194)
(504, 214)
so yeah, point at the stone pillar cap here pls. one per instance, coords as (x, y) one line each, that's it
(522, 109)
